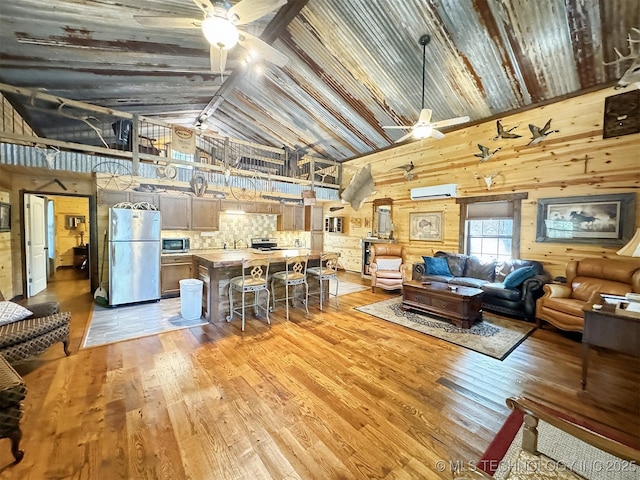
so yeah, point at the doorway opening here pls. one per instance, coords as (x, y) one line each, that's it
(56, 246)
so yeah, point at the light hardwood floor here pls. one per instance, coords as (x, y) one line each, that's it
(332, 395)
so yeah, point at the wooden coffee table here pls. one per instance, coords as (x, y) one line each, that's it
(462, 305)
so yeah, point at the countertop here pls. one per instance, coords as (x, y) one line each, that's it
(231, 258)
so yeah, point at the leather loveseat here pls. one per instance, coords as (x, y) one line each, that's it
(562, 304)
(489, 275)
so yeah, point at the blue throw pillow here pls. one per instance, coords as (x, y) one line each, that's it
(515, 278)
(436, 266)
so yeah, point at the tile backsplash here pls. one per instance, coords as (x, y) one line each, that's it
(241, 228)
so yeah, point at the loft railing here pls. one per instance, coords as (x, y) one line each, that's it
(144, 144)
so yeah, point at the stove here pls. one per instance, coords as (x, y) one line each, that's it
(264, 244)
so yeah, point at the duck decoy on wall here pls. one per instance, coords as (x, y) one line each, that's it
(485, 154)
(502, 133)
(538, 134)
(407, 171)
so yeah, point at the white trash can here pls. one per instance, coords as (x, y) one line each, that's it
(191, 298)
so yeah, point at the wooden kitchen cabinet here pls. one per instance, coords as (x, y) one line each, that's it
(235, 205)
(313, 218)
(267, 207)
(292, 218)
(112, 197)
(176, 212)
(174, 268)
(205, 214)
(144, 197)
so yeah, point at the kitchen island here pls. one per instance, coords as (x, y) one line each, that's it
(216, 268)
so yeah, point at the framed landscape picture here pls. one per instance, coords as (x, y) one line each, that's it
(5, 217)
(595, 219)
(425, 226)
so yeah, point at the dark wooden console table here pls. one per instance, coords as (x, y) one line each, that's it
(607, 328)
(463, 306)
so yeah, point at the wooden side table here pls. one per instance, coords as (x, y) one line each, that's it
(608, 329)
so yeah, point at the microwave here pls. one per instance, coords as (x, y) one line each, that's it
(172, 245)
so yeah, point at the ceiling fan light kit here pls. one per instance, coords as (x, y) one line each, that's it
(422, 131)
(220, 28)
(220, 32)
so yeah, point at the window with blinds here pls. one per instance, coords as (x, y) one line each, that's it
(489, 229)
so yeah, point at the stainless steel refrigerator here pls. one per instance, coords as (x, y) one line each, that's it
(134, 255)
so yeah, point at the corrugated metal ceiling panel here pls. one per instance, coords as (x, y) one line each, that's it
(354, 66)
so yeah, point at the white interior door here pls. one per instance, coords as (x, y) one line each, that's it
(35, 243)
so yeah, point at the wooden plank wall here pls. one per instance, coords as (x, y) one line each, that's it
(576, 161)
(6, 264)
(11, 120)
(67, 238)
(35, 180)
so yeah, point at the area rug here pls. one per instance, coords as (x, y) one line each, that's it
(344, 288)
(563, 456)
(495, 336)
(117, 324)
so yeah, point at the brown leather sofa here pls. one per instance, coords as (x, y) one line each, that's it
(562, 304)
(386, 266)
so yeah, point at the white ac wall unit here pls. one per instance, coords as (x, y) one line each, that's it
(434, 192)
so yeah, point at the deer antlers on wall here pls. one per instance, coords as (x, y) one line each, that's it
(49, 156)
(632, 74)
(489, 179)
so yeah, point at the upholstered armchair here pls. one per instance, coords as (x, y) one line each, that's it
(386, 266)
(562, 304)
(31, 333)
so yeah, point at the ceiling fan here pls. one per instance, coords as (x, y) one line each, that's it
(219, 27)
(424, 128)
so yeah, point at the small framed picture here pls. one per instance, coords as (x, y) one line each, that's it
(5, 217)
(426, 226)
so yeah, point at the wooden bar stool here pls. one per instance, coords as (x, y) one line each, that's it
(326, 271)
(295, 273)
(253, 280)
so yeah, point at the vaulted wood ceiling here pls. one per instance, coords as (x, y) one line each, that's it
(353, 67)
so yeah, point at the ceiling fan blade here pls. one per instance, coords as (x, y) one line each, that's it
(205, 6)
(217, 59)
(437, 134)
(405, 137)
(450, 122)
(262, 49)
(167, 22)
(425, 116)
(396, 127)
(249, 10)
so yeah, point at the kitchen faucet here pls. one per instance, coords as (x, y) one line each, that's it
(236, 241)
